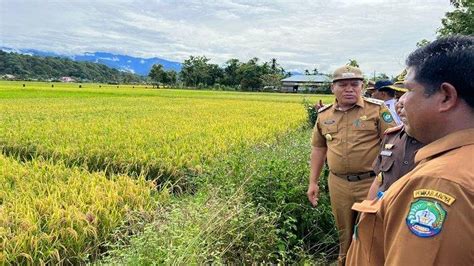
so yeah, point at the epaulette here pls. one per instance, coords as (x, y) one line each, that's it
(324, 108)
(393, 129)
(372, 100)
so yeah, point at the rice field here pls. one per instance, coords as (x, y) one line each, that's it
(156, 133)
(52, 214)
(76, 160)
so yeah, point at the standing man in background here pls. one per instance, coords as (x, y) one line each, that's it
(426, 216)
(384, 91)
(396, 157)
(348, 133)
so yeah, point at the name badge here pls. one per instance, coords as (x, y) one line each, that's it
(386, 153)
(389, 146)
(329, 122)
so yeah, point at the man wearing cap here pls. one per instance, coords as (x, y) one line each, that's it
(396, 157)
(369, 89)
(384, 91)
(347, 132)
(426, 216)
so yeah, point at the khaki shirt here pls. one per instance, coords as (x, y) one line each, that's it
(426, 217)
(396, 157)
(352, 136)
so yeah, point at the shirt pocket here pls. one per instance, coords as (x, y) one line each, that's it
(386, 163)
(325, 129)
(365, 228)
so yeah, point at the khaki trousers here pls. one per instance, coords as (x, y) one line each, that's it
(343, 194)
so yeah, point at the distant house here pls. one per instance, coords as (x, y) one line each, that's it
(67, 79)
(304, 83)
(8, 77)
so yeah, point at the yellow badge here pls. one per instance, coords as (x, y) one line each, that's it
(380, 178)
(429, 193)
(363, 118)
(389, 146)
(328, 137)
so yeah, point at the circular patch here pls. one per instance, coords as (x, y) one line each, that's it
(387, 117)
(425, 218)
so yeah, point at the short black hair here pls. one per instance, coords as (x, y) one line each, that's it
(448, 59)
(388, 91)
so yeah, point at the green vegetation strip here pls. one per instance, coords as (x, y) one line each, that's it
(251, 208)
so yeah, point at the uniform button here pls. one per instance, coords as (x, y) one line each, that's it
(405, 162)
(413, 141)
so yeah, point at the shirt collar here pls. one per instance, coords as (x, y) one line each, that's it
(391, 101)
(446, 143)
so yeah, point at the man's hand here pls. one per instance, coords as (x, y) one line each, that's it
(313, 193)
(319, 105)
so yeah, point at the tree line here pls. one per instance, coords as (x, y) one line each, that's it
(26, 67)
(198, 72)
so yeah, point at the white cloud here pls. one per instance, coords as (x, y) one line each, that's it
(300, 34)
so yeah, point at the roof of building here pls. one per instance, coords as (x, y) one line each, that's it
(307, 78)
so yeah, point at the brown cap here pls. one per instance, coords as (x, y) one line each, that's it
(398, 85)
(347, 72)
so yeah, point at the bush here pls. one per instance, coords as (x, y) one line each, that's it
(312, 111)
(274, 178)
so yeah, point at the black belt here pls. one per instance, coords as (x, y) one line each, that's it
(356, 177)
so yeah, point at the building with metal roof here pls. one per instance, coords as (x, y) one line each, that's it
(305, 83)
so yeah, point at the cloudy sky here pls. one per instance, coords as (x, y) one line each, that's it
(325, 34)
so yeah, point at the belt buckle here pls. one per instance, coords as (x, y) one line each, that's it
(352, 178)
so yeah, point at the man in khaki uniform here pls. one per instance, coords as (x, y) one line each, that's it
(348, 133)
(426, 216)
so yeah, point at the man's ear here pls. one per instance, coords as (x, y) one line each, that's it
(332, 88)
(448, 97)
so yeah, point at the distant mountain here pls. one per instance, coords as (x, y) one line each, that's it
(136, 65)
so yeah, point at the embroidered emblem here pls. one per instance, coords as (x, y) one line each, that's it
(425, 218)
(328, 137)
(429, 193)
(386, 153)
(363, 118)
(389, 146)
(387, 117)
(357, 123)
(329, 122)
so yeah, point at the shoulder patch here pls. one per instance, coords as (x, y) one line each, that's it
(324, 108)
(425, 218)
(393, 129)
(372, 100)
(386, 115)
